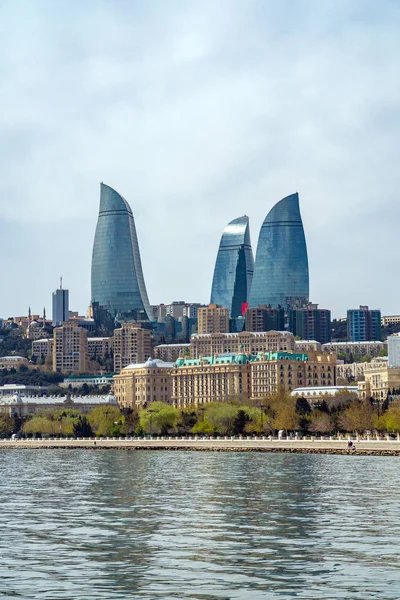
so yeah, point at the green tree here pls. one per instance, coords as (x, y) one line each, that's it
(7, 425)
(105, 420)
(159, 418)
(390, 420)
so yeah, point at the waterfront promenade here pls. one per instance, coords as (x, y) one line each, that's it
(315, 445)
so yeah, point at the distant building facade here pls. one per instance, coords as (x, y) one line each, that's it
(265, 318)
(171, 352)
(246, 341)
(139, 384)
(42, 348)
(363, 324)
(288, 370)
(132, 344)
(390, 320)
(393, 343)
(213, 319)
(21, 405)
(234, 268)
(70, 348)
(380, 380)
(357, 349)
(311, 323)
(13, 362)
(100, 347)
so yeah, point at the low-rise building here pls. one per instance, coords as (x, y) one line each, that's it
(357, 349)
(42, 348)
(315, 395)
(390, 320)
(13, 362)
(350, 371)
(10, 389)
(139, 384)
(246, 341)
(21, 406)
(307, 346)
(379, 380)
(171, 352)
(75, 381)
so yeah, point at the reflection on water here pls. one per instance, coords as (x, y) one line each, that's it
(79, 524)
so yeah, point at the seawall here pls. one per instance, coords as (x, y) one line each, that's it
(304, 446)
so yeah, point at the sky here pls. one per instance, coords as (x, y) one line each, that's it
(197, 113)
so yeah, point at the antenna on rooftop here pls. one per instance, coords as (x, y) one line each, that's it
(60, 283)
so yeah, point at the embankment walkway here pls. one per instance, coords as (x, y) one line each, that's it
(315, 445)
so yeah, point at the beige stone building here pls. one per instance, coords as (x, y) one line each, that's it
(171, 352)
(390, 320)
(355, 348)
(246, 341)
(13, 362)
(132, 344)
(140, 384)
(42, 348)
(274, 370)
(100, 346)
(379, 379)
(70, 348)
(212, 319)
(210, 379)
(244, 377)
(307, 346)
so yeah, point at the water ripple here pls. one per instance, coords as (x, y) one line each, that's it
(78, 524)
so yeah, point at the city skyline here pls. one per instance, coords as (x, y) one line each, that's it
(197, 113)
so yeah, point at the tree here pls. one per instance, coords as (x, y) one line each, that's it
(390, 420)
(105, 420)
(221, 417)
(357, 417)
(187, 421)
(159, 418)
(240, 422)
(130, 421)
(321, 422)
(7, 425)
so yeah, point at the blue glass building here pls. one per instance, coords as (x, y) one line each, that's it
(117, 278)
(281, 267)
(234, 267)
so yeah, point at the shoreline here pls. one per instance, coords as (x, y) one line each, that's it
(314, 446)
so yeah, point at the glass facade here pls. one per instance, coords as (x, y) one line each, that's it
(117, 277)
(281, 267)
(234, 267)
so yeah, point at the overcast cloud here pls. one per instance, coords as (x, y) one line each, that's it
(198, 112)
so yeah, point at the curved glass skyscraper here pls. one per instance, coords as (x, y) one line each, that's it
(281, 267)
(117, 277)
(234, 267)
